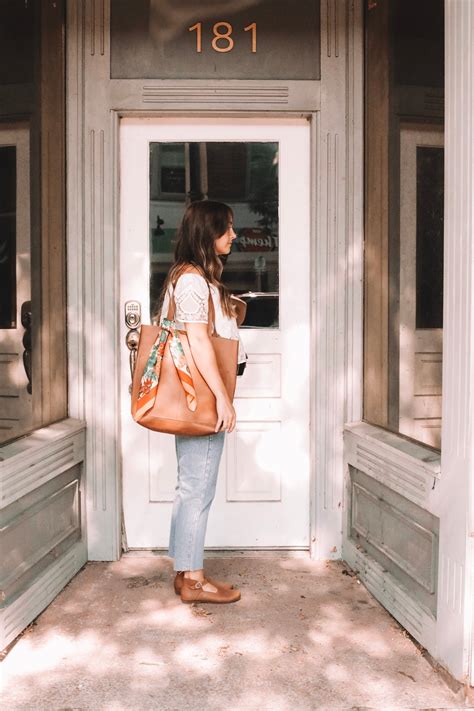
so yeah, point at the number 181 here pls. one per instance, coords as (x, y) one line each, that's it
(222, 32)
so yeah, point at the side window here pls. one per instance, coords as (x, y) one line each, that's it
(404, 198)
(33, 366)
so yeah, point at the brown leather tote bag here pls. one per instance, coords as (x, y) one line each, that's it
(171, 408)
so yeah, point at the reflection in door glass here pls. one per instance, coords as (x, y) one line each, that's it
(429, 236)
(245, 176)
(8, 237)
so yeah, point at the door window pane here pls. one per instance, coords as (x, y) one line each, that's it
(33, 344)
(8, 237)
(245, 176)
(429, 236)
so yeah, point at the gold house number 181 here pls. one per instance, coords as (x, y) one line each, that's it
(222, 40)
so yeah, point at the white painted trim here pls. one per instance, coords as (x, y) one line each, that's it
(355, 211)
(470, 644)
(37, 458)
(75, 207)
(405, 467)
(314, 231)
(412, 470)
(25, 465)
(76, 330)
(398, 450)
(417, 619)
(355, 239)
(19, 614)
(92, 272)
(329, 338)
(455, 634)
(172, 95)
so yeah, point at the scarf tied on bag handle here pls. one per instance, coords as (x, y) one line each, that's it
(151, 375)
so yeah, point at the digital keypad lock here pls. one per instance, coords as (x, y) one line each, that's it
(133, 314)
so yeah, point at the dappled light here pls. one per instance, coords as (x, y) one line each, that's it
(304, 635)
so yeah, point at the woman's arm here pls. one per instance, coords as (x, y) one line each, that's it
(205, 359)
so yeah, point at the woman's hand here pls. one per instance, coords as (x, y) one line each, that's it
(226, 416)
(205, 360)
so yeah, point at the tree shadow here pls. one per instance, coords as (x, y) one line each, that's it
(303, 635)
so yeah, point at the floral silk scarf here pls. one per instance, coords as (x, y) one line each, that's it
(151, 375)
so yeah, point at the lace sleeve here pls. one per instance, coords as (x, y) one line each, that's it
(191, 296)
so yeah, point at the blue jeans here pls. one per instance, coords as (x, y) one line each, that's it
(198, 466)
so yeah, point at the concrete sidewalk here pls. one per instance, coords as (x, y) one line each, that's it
(304, 636)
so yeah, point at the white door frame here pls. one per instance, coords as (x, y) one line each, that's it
(94, 106)
(146, 522)
(328, 307)
(314, 126)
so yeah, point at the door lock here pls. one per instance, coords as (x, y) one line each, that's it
(133, 319)
(133, 314)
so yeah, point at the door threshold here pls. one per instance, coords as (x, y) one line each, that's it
(225, 553)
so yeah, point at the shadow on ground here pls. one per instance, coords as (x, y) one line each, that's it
(305, 635)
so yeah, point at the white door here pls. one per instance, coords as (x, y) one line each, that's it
(15, 282)
(421, 278)
(261, 168)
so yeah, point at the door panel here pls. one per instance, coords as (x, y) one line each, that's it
(262, 497)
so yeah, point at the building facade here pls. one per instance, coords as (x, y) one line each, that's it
(341, 133)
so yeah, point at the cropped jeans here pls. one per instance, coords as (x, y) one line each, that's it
(198, 465)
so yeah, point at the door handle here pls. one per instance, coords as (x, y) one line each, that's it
(133, 320)
(26, 323)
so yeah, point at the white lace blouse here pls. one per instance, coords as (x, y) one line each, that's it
(191, 296)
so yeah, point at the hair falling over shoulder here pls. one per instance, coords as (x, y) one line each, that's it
(203, 222)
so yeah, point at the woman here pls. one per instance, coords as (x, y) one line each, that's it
(205, 233)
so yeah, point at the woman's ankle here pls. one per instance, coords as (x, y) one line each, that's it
(194, 574)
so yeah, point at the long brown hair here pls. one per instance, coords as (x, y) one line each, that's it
(203, 222)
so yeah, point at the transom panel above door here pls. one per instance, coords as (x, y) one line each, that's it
(261, 168)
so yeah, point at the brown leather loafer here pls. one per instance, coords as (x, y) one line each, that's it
(193, 591)
(178, 583)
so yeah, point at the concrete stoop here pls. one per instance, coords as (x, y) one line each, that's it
(305, 636)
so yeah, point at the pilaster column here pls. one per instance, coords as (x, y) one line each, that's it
(330, 274)
(93, 269)
(456, 562)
